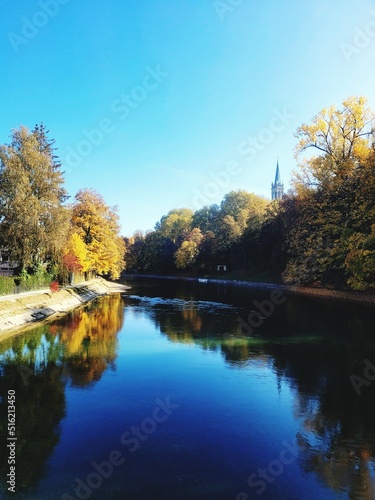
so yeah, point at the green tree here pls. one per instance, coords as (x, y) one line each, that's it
(33, 220)
(159, 253)
(239, 211)
(207, 218)
(175, 224)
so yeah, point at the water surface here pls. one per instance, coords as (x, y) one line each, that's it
(189, 401)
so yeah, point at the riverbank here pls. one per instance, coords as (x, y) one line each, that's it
(362, 297)
(18, 311)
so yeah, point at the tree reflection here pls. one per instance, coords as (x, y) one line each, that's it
(29, 368)
(337, 438)
(37, 364)
(89, 337)
(315, 359)
(219, 332)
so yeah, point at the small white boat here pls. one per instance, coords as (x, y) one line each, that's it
(203, 280)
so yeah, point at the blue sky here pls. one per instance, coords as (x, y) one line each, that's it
(171, 103)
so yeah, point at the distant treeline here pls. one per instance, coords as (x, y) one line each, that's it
(322, 233)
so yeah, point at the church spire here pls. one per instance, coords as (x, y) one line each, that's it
(277, 188)
(277, 176)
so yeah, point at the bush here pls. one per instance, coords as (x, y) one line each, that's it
(7, 285)
(35, 281)
(24, 283)
(54, 286)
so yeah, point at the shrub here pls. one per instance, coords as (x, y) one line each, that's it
(33, 281)
(54, 286)
(7, 285)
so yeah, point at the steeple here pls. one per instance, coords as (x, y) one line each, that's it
(277, 176)
(277, 188)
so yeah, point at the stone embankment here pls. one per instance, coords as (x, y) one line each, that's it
(19, 310)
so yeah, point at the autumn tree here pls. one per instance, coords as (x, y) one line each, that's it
(175, 224)
(360, 236)
(97, 225)
(342, 139)
(189, 249)
(33, 220)
(135, 251)
(159, 246)
(315, 239)
(200, 240)
(75, 255)
(239, 211)
(329, 237)
(241, 205)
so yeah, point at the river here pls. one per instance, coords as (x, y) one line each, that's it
(184, 390)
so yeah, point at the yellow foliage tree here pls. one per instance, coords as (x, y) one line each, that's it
(189, 249)
(343, 138)
(97, 225)
(75, 254)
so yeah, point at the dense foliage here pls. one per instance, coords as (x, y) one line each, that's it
(33, 220)
(94, 242)
(199, 241)
(7, 285)
(38, 230)
(322, 233)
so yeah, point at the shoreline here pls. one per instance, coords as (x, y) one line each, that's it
(21, 312)
(24, 311)
(353, 296)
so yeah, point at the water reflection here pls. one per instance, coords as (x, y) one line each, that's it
(89, 337)
(40, 406)
(37, 365)
(309, 348)
(312, 346)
